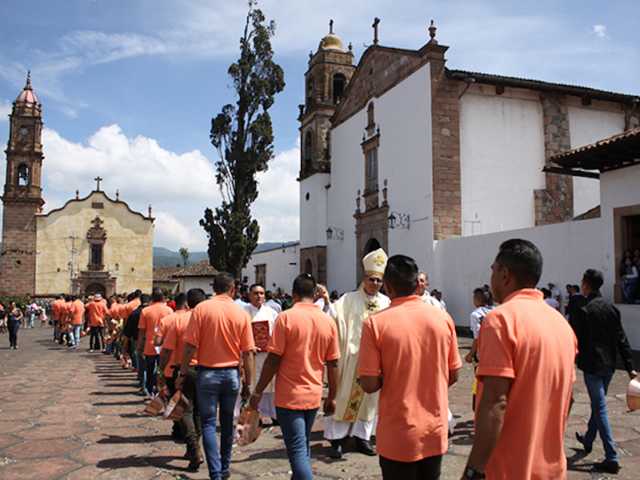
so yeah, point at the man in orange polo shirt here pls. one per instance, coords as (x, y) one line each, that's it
(409, 352)
(56, 308)
(172, 348)
(303, 339)
(525, 378)
(76, 315)
(220, 330)
(147, 328)
(97, 311)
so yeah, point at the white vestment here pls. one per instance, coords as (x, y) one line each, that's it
(356, 411)
(266, 406)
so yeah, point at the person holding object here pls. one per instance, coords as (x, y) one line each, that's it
(303, 339)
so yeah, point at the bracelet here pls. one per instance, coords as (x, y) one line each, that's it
(257, 394)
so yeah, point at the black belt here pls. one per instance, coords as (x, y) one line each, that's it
(202, 367)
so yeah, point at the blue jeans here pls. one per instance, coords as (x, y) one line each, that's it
(151, 362)
(219, 386)
(74, 335)
(141, 366)
(597, 387)
(296, 430)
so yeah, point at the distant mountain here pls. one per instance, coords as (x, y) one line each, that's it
(163, 257)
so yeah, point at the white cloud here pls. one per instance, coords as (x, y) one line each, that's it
(178, 186)
(277, 207)
(600, 31)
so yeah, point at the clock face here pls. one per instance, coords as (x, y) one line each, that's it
(24, 130)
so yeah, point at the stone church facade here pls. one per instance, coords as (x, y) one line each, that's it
(401, 152)
(90, 245)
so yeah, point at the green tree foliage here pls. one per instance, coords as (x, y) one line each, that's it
(184, 253)
(243, 136)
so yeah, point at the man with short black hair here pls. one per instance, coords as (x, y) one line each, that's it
(303, 339)
(525, 376)
(147, 327)
(596, 322)
(409, 352)
(220, 330)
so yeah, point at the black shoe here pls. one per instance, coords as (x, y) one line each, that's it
(607, 466)
(580, 438)
(275, 422)
(226, 475)
(365, 447)
(337, 448)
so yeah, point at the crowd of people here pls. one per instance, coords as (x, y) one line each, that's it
(387, 360)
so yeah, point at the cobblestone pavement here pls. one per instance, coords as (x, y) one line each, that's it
(75, 415)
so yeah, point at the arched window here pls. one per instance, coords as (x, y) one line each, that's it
(339, 85)
(310, 90)
(371, 116)
(308, 148)
(23, 174)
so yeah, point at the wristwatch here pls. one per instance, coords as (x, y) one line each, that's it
(472, 474)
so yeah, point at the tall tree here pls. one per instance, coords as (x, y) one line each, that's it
(243, 136)
(184, 253)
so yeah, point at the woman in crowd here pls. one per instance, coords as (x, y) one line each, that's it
(13, 323)
(630, 281)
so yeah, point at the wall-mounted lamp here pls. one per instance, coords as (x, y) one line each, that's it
(284, 248)
(117, 266)
(399, 220)
(335, 233)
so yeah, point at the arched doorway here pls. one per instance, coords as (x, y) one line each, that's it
(308, 267)
(94, 288)
(371, 246)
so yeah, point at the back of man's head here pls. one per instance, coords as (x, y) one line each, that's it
(131, 296)
(157, 295)
(523, 260)
(304, 286)
(482, 295)
(401, 274)
(145, 299)
(594, 278)
(268, 295)
(180, 300)
(137, 293)
(195, 296)
(223, 283)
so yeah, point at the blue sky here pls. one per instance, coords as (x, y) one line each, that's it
(129, 87)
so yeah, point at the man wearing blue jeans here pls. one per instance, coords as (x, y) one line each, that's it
(303, 339)
(220, 330)
(596, 322)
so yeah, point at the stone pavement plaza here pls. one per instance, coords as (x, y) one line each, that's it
(75, 415)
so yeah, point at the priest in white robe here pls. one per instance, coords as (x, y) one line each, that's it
(356, 411)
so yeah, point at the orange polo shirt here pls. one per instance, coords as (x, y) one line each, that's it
(305, 337)
(77, 310)
(116, 309)
(128, 307)
(174, 339)
(531, 343)
(414, 346)
(221, 330)
(97, 312)
(57, 307)
(166, 323)
(65, 312)
(149, 320)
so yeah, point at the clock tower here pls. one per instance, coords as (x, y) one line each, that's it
(22, 197)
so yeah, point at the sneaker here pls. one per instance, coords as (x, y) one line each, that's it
(91, 350)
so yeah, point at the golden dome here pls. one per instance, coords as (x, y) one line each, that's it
(332, 43)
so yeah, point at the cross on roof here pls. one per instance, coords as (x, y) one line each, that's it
(376, 21)
(98, 179)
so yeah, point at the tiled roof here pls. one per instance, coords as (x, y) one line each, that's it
(619, 151)
(200, 269)
(164, 274)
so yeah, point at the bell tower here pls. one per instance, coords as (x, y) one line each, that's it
(326, 80)
(22, 197)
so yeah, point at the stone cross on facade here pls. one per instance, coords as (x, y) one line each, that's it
(376, 21)
(98, 179)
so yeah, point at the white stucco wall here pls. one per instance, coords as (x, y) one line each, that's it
(501, 158)
(588, 125)
(205, 283)
(282, 267)
(313, 212)
(404, 160)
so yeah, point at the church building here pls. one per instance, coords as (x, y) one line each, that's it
(90, 245)
(401, 152)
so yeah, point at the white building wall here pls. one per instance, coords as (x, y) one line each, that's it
(313, 211)
(282, 267)
(205, 283)
(404, 160)
(501, 159)
(588, 125)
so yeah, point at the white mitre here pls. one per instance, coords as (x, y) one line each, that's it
(375, 262)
